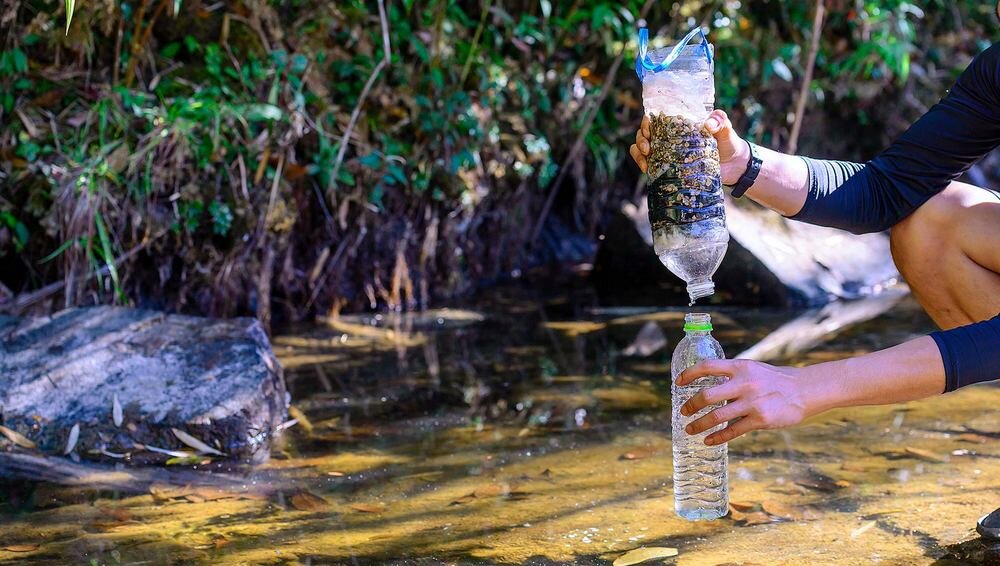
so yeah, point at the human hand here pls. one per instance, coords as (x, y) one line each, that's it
(734, 153)
(761, 396)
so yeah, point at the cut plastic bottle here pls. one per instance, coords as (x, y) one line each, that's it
(686, 211)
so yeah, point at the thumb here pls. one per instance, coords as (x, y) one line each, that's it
(721, 128)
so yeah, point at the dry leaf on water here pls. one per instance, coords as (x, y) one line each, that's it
(16, 437)
(366, 508)
(305, 501)
(742, 506)
(20, 547)
(924, 455)
(641, 555)
(823, 483)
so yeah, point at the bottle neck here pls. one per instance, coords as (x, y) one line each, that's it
(696, 333)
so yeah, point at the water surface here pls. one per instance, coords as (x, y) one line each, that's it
(532, 430)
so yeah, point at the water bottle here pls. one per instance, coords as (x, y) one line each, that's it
(701, 483)
(686, 209)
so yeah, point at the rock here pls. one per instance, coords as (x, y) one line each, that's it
(771, 261)
(214, 380)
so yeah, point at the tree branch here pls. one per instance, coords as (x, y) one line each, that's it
(386, 58)
(800, 105)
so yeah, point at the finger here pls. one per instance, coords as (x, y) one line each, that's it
(721, 415)
(644, 127)
(711, 396)
(642, 142)
(717, 121)
(738, 428)
(707, 367)
(638, 157)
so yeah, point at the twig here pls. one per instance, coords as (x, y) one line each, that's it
(386, 57)
(800, 104)
(581, 138)
(25, 300)
(475, 42)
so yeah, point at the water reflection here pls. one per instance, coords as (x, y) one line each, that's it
(529, 431)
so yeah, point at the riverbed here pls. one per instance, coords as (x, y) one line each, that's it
(521, 428)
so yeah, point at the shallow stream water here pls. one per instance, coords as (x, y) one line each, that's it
(524, 429)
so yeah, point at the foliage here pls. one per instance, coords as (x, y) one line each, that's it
(198, 148)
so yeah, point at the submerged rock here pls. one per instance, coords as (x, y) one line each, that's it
(129, 377)
(771, 261)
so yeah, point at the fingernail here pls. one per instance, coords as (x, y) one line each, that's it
(712, 124)
(687, 429)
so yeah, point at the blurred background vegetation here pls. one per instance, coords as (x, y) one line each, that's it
(271, 156)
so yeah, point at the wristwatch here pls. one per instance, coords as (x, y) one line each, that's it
(748, 177)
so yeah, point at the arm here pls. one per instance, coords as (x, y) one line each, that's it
(767, 397)
(934, 151)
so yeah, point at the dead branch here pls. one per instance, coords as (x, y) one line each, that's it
(800, 104)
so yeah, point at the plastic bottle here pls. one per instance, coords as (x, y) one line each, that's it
(686, 209)
(701, 483)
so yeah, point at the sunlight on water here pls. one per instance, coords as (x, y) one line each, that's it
(530, 436)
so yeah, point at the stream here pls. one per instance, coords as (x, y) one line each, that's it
(520, 428)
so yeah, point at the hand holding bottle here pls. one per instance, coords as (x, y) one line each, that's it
(734, 153)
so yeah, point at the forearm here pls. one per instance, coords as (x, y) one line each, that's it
(781, 184)
(911, 370)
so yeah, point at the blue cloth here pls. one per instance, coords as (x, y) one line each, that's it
(935, 150)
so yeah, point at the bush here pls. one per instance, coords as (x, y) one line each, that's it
(200, 149)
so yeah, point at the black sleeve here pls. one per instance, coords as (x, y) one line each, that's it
(934, 151)
(971, 354)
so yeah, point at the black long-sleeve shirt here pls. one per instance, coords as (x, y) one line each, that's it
(935, 150)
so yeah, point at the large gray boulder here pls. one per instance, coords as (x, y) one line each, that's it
(215, 381)
(770, 261)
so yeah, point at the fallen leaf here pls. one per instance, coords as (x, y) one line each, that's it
(304, 422)
(117, 415)
(74, 436)
(575, 328)
(820, 482)
(195, 443)
(754, 518)
(972, 437)
(779, 509)
(547, 473)
(366, 508)
(924, 454)
(742, 506)
(641, 555)
(335, 474)
(468, 497)
(16, 437)
(187, 461)
(861, 530)
(21, 547)
(194, 498)
(638, 453)
(305, 501)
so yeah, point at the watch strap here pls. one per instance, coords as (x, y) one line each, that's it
(750, 175)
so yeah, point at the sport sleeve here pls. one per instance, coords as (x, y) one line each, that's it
(935, 150)
(971, 353)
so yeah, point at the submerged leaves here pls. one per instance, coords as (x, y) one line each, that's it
(646, 554)
(306, 501)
